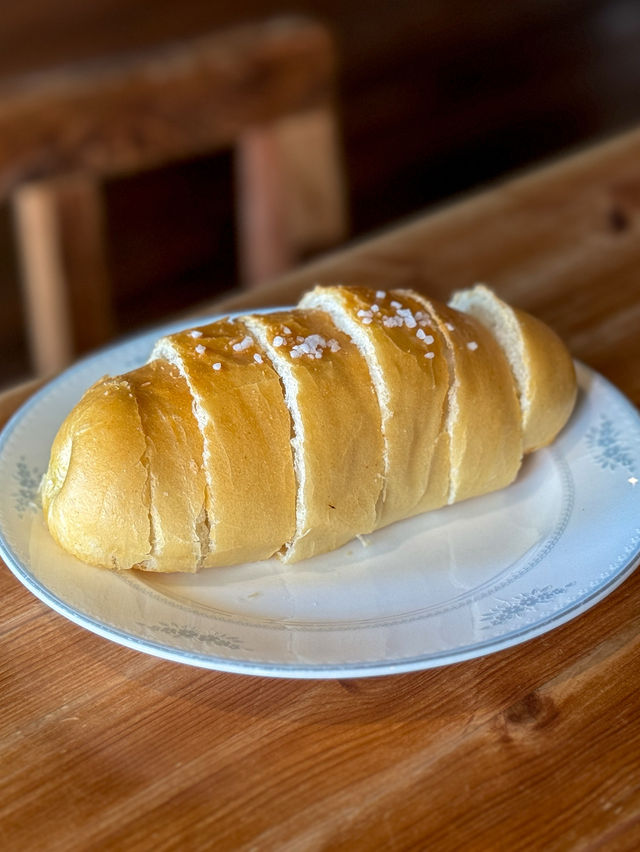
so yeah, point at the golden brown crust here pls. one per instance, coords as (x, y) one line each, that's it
(95, 493)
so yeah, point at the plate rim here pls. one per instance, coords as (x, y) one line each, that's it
(306, 670)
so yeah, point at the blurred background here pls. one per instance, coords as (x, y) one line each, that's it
(435, 98)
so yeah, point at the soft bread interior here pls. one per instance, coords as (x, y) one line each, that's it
(541, 364)
(246, 429)
(336, 428)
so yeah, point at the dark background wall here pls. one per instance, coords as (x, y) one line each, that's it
(437, 97)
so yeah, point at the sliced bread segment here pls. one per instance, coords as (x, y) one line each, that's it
(246, 429)
(177, 484)
(483, 416)
(404, 354)
(95, 493)
(541, 364)
(336, 437)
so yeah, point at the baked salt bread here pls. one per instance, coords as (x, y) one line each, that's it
(542, 367)
(290, 433)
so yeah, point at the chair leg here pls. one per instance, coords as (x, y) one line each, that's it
(263, 246)
(59, 229)
(316, 194)
(291, 196)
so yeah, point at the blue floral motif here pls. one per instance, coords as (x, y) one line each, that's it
(220, 639)
(606, 447)
(525, 602)
(28, 479)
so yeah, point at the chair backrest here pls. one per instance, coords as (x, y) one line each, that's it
(266, 90)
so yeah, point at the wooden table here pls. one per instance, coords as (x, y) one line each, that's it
(536, 747)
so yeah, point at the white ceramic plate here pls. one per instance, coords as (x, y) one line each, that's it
(448, 586)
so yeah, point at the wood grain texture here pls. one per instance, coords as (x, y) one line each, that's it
(536, 747)
(139, 111)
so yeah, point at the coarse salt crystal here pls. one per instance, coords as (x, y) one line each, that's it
(278, 340)
(257, 357)
(367, 320)
(420, 334)
(217, 366)
(395, 304)
(286, 329)
(333, 344)
(428, 338)
(450, 327)
(312, 345)
(245, 343)
(195, 333)
(375, 308)
(392, 322)
(429, 354)
(381, 294)
(200, 349)
(472, 345)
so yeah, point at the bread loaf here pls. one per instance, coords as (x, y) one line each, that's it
(290, 433)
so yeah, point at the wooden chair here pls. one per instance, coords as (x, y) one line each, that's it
(265, 90)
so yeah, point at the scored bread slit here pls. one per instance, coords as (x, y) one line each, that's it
(249, 484)
(290, 391)
(451, 405)
(203, 533)
(354, 331)
(147, 563)
(484, 420)
(203, 520)
(406, 369)
(203, 523)
(153, 520)
(172, 458)
(541, 366)
(336, 439)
